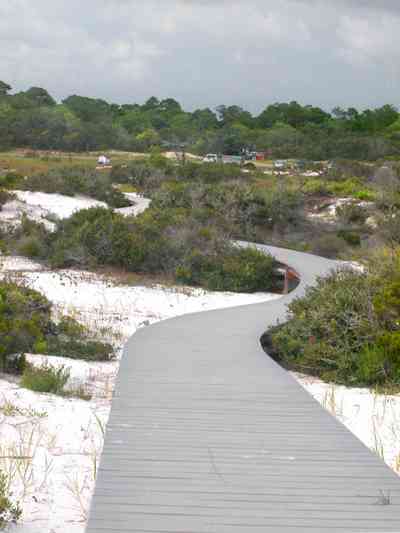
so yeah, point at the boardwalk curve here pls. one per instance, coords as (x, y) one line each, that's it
(209, 434)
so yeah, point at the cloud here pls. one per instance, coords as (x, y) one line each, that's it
(205, 52)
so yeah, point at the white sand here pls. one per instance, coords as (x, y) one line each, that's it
(61, 439)
(373, 418)
(65, 445)
(48, 208)
(44, 208)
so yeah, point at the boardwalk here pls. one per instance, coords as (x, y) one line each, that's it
(208, 434)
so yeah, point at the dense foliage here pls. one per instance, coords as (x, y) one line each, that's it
(26, 326)
(347, 328)
(262, 207)
(198, 207)
(33, 119)
(171, 241)
(76, 180)
(46, 379)
(10, 512)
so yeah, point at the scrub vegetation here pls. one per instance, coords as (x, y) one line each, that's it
(33, 119)
(339, 208)
(26, 326)
(346, 328)
(9, 511)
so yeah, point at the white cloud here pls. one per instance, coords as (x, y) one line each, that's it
(205, 52)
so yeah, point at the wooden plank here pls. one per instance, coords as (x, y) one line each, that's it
(208, 434)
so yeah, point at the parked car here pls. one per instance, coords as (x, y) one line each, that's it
(279, 164)
(210, 158)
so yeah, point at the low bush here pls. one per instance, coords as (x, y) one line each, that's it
(241, 270)
(213, 172)
(30, 239)
(149, 174)
(88, 350)
(329, 245)
(10, 512)
(239, 206)
(26, 326)
(352, 238)
(45, 379)
(32, 247)
(346, 328)
(77, 180)
(24, 319)
(5, 197)
(10, 179)
(350, 188)
(71, 339)
(176, 241)
(351, 213)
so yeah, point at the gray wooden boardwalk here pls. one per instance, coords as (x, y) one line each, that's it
(208, 434)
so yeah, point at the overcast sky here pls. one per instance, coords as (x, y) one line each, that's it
(206, 52)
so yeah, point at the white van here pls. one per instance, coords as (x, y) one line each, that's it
(210, 158)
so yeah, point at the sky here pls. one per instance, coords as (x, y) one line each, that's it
(206, 52)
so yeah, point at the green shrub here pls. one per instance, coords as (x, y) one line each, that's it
(77, 180)
(168, 240)
(70, 327)
(24, 319)
(346, 328)
(14, 363)
(10, 180)
(10, 512)
(329, 327)
(71, 339)
(26, 326)
(316, 186)
(5, 197)
(371, 365)
(31, 247)
(351, 213)
(30, 239)
(215, 172)
(45, 379)
(351, 237)
(88, 350)
(235, 205)
(350, 187)
(240, 270)
(365, 195)
(329, 245)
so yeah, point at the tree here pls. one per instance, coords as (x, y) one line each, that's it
(88, 109)
(204, 119)
(170, 106)
(151, 104)
(147, 139)
(293, 114)
(4, 88)
(40, 96)
(135, 121)
(230, 114)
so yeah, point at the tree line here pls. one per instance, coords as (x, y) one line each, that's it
(34, 119)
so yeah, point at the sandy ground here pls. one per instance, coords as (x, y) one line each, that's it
(50, 446)
(61, 439)
(44, 208)
(329, 213)
(373, 418)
